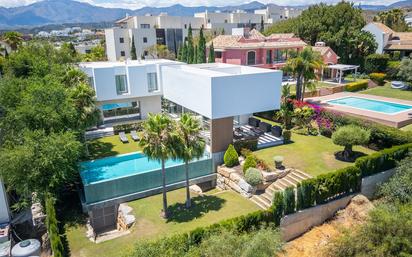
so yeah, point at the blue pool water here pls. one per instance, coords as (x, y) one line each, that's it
(107, 107)
(371, 105)
(119, 166)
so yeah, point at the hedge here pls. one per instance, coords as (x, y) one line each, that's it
(289, 200)
(381, 136)
(138, 126)
(376, 62)
(382, 160)
(250, 144)
(356, 86)
(378, 78)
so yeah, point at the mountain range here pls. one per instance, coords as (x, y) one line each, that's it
(70, 11)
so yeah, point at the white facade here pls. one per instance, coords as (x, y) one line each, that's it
(381, 36)
(4, 206)
(274, 13)
(214, 90)
(222, 90)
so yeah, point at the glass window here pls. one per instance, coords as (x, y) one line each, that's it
(121, 40)
(218, 54)
(145, 40)
(91, 82)
(152, 82)
(121, 84)
(122, 53)
(251, 58)
(268, 56)
(145, 26)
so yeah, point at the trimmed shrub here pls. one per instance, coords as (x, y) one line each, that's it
(287, 136)
(376, 62)
(231, 158)
(392, 70)
(307, 193)
(382, 160)
(253, 176)
(378, 78)
(138, 126)
(356, 86)
(250, 144)
(250, 162)
(289, 200)
(278, 207)
(299, 197)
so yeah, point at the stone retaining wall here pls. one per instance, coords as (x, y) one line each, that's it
(229, 178)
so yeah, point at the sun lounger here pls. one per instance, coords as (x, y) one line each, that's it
(123, 137)
(134, 135)
(398, 85)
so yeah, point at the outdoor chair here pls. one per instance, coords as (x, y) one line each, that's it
(276, 131)
(123, 137)
(265, 127)
(134, 135)
(254, 122)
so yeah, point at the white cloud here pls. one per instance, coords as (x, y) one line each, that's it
(133, 4)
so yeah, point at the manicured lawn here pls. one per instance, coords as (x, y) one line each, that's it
(311, 154)
(407, 128)
(211, 208)
(387, 91)
(108, 146)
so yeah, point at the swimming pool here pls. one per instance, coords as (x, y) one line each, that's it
(120, 166)
(371, 105)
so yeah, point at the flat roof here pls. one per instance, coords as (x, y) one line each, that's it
(107, 64)
(342, 67)
(220, 69)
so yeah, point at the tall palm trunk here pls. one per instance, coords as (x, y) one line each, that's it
(299, 87)
(164, 211)
(188, 201)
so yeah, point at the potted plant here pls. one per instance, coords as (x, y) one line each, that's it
(254, 178)
(278, 161)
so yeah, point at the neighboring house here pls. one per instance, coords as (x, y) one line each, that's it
(4, 206)
(273, 13)
(388, 40)
(329, 56)
(252, 48)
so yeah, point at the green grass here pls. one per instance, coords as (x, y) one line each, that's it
(311, 154)
(387, 91)
(211, 208)
(407, 128)
(109, 146)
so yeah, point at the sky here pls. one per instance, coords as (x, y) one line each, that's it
(135, 4)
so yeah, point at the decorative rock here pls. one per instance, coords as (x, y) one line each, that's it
(196, 189)
(269, 176)
(125, 209)
(245, 186)
(235, 187)
(225, 171)
(129, 220)
(236, 177)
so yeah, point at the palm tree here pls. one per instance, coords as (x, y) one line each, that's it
(286, 108)
(303, 67)
(157, 141)
(192, 145)
(13, 38)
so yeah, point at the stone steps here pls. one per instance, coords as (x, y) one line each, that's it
(264, 200)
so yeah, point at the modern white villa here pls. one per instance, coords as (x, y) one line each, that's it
(223, 96)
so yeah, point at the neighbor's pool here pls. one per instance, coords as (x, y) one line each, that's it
(371, 105)
(120, 166)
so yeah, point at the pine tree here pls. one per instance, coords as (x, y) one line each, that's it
(190, 50)
(211, 54)
(133, 50)
(201, 51)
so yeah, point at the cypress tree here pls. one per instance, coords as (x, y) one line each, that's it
(183, 58)
(201, 53)
(179, 53)
(190, 50)
(53, 229)
(133, 50)
(211, 54)
(262, 25)
(195, 55)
